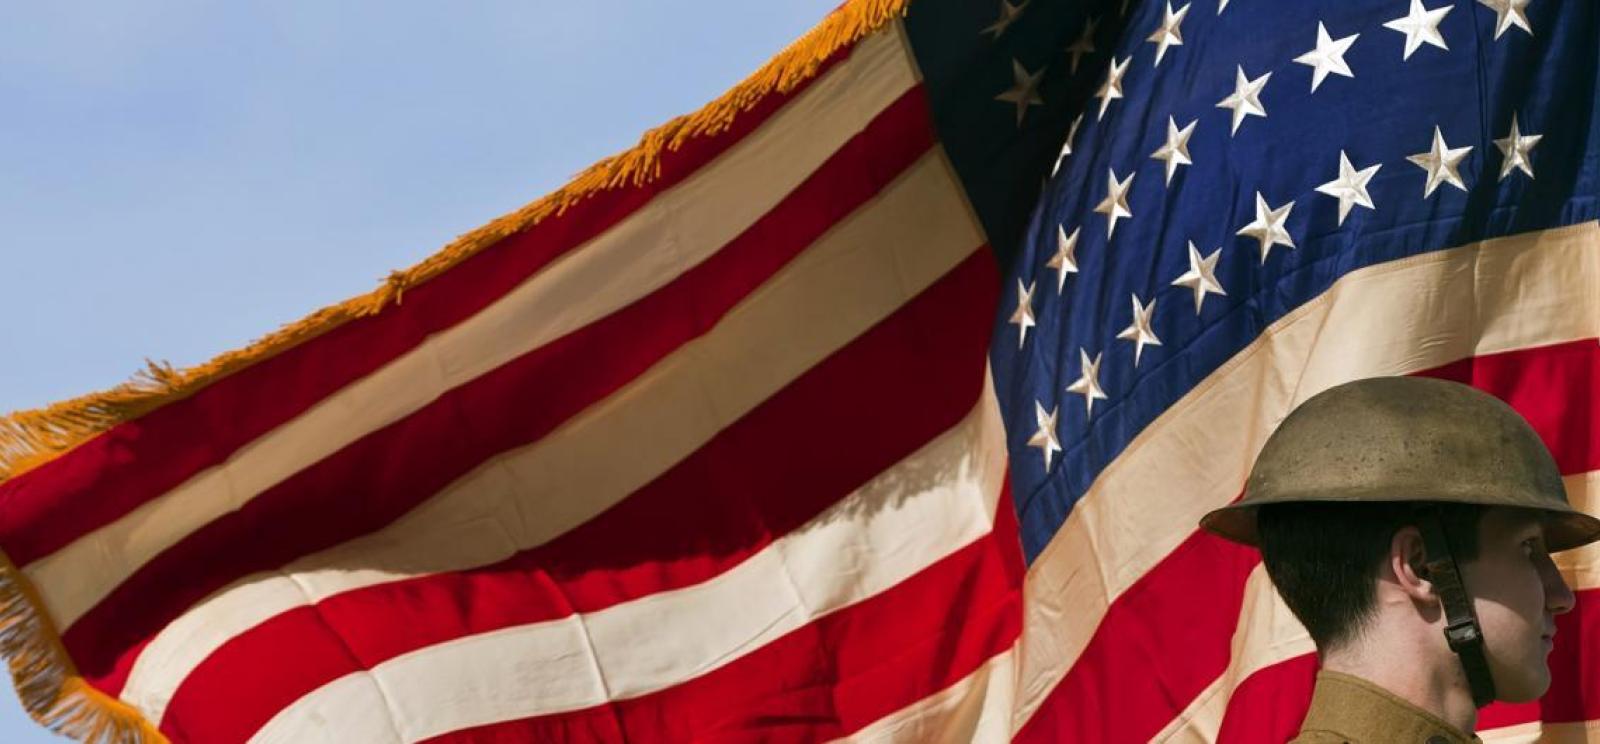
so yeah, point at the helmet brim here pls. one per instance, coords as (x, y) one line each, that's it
(1564, 529)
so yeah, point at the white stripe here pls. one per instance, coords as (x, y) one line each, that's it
(1268, 634)
(976, 709)
(365, 710)
(869, 265)
(924, 508)
(1392, 318)
(1576, 732)
(675, 231)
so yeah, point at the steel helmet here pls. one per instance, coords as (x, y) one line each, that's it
(1413, 439)
(1406, 439)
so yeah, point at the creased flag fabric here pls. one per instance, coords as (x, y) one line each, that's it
(878, 400)
(1264, 200)
(700, 447)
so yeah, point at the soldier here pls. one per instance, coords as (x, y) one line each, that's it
(1408, 524)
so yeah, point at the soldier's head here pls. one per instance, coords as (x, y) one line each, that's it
(1421, 507)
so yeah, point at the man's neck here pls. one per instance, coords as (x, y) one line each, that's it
(1437, 685)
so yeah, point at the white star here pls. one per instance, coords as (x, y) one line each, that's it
(1517, 149)
(1112, 88)
(1420, 25)
(1088, 382)
(1115, 205)
(1327, 57)
(1024, 90)
(1350, 188)
(1176, 151)
(1221, 6)
(1022, 318)
(1083, 45)
(1008, 15)
(1066, 147)
(1441, 162)
(1045, 438)
(1139, 331)
(1508, 13)
(1246, 98)
(1268, 228)
(1201, 276)
(1065, 260)
(1168, 34)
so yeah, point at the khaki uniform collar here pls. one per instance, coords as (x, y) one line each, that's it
(1346, 708)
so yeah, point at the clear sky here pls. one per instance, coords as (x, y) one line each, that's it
(178, 177)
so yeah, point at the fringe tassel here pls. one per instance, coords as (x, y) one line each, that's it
(48, 683)
(46, 679)
(31, 438)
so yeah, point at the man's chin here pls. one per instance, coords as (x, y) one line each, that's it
(1528, 689)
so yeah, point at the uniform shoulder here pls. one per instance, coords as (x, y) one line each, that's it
(1354, 711)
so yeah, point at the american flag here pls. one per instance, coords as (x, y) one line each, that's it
(1262, 200)
(747, 435)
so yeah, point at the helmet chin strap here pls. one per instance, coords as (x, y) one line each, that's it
(1461, 629)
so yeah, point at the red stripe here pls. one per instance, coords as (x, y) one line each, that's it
(1167, 638)
(859, 401)
(830, 678)
(386, 473)
(132, 463)
(1270, 704)
(1161, 643)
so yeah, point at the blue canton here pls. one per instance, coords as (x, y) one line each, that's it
(1231, 161)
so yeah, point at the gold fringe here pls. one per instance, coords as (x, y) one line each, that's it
(48, 682)
(50, 687)
(31, 438)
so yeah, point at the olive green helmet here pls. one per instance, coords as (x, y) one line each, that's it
(1406, 439)
(1428, 442)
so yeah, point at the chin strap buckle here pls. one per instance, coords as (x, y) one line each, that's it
(1461, 630)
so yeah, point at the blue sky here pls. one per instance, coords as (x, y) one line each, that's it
(179, 177)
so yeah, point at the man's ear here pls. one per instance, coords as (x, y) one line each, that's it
(1406, 560)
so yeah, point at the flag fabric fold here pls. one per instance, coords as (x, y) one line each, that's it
(1261, 202)
(878, 400)
(675, 452)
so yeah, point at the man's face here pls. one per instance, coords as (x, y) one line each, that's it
(1517, 593)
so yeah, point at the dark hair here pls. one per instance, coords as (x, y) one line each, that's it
(1323, 557)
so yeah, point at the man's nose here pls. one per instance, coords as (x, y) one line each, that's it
(1558, 597)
